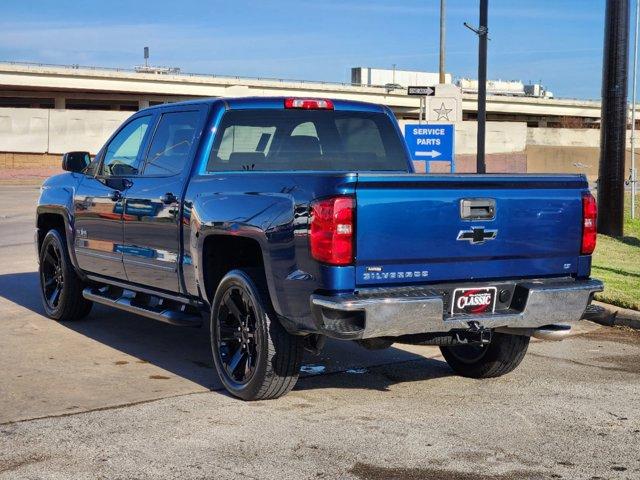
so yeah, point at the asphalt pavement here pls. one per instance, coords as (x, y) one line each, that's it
(120, 396)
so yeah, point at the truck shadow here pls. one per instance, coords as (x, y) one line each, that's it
(632, 241)
(185, 352)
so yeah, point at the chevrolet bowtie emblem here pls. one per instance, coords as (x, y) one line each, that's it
(477, 235)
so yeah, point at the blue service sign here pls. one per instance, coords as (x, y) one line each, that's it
(430, 142)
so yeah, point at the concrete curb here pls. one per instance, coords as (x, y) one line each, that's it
(618, 316)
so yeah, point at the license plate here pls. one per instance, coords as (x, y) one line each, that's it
(474, 300)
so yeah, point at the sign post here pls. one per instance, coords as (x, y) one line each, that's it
(430, 143)
(422, 92)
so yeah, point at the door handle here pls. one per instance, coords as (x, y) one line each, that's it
(477, 209)
(115, 196)
(168, 198)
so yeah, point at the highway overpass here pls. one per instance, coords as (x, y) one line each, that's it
(73, 87)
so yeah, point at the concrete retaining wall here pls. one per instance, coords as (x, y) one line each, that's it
(502, 137)
(33, 135)
(567, 150)
(24, 130)
(36, 137)
(35, 130)
(563, 137)
(568, 137)
(82, 130)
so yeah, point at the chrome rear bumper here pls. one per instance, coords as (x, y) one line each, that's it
(392, 312)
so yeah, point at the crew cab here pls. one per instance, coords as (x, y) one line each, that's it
(280, 222)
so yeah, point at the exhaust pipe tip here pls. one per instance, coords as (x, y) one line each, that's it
(553, 333)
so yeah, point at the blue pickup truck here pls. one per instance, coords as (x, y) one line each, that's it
(284, 221)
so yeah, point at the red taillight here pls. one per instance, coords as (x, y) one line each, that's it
(589, 218)
(308, 103)
(332, 230)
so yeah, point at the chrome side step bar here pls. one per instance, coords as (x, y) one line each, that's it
(127, 300)
(142, 289)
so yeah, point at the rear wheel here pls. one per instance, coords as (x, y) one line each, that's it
(60, 286)
(255, 357)
(501, 356)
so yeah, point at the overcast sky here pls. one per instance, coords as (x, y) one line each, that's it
(558, 42)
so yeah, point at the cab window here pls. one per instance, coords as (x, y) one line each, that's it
(172, 141)
(324, 140)
(121, 155)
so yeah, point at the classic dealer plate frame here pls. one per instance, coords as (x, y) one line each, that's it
(454, 298)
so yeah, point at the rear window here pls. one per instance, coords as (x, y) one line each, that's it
(331, 140)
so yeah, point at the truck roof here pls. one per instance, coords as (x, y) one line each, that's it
(245, 103)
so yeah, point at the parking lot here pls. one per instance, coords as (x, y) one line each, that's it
(119, 396)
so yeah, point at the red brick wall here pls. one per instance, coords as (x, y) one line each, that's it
(28, 166)
(496, 163)
(12, 161)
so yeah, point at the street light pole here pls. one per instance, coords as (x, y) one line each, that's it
(483, 32)
(634, 177)
(613, 120)
(442, 39)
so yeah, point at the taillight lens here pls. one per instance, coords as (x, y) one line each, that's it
(308, 103)
(332, 230)
(589, 220)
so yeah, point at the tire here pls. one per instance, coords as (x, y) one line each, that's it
(262, 360)
(60, 286)
(501, 356)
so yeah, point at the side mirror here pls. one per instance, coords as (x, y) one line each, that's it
(75, 161)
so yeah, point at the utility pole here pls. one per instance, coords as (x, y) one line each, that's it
(442, 39)
(483, 35)
(483, 32)
(634, 175)
(613, 123)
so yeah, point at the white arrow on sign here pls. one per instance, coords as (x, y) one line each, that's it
(426, 91)
(432, 154)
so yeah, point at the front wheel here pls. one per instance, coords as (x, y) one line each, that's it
(501, 356)
(60, 287)
(255, 357)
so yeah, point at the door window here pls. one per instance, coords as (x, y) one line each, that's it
(171, 144)
(121, 156)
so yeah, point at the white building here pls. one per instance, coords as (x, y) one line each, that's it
(404, 78)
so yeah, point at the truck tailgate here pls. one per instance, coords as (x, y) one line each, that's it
(410, 229)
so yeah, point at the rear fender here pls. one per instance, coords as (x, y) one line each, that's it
(265, 218)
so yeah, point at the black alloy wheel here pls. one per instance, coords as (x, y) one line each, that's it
(238, 339)
(51, 275)
(60, 286)
(255, 357)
